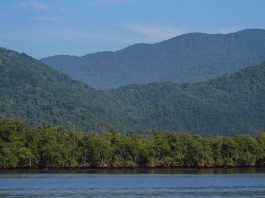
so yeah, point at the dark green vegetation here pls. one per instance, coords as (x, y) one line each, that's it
(51, 147)
(228, 105)
(187, 58)
(31, 90)
(38, 94)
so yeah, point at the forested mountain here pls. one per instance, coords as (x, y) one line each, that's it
(33, 91)
(186, 58)
(231, 104)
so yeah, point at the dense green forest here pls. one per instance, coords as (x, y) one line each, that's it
(227, 105)
(189, 57)
(55, 147)
(36, 93)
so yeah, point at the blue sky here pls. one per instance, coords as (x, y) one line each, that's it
(43, 28)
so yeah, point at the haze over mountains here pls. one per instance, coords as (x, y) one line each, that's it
(186, 58)
(37, 93)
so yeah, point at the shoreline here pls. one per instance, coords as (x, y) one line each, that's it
(138, 169)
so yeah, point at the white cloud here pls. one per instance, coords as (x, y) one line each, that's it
(104, 2)
(32, 5)
(154, 32)
(45, 18)
(66, 34)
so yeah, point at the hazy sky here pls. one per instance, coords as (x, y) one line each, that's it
(42, 28)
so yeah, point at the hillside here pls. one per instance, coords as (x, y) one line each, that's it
(186, 58)
(33, 91)
(228, 105)
(231, 104)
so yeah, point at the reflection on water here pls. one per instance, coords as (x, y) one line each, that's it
(134, 183)
(142, 171)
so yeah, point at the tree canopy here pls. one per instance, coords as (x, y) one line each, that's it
(22, 146)
(32, 91)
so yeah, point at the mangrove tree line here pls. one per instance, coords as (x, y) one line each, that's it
(54, 147)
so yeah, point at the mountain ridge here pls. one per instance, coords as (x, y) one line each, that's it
(228, 105)
(189, 57)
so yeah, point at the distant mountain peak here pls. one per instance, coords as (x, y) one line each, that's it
(189, 57)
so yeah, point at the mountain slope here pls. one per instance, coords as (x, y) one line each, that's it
(186, 58)
(33, 91)
(228, 105)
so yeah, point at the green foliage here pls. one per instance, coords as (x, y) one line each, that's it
(55, 147)
(38, 94)
(228, 105)
(31, 90)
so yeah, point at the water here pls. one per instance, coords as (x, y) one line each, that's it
(139, 183)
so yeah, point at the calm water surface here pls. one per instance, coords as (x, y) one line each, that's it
(145, 183)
